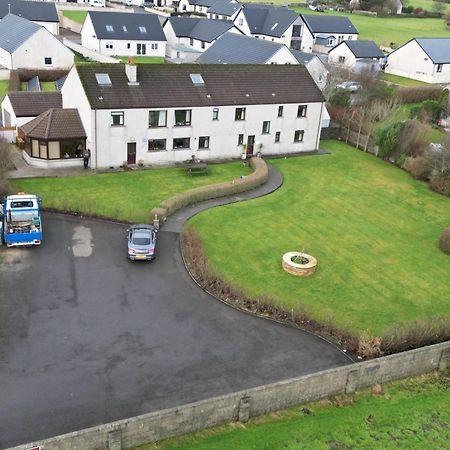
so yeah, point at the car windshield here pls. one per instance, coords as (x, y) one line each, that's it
(142, 238)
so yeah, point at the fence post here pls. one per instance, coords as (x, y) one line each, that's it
(352, 381)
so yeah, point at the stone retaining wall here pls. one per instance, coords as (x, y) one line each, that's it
(251, 402)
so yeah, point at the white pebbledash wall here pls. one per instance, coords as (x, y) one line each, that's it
(411, 61)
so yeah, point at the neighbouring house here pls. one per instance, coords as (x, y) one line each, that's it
(424, 59)
(20, 107)
(41, 13)
(224, 10)
(233, 48)
(26, 45)
(270, 23)
(189, 37)
(196, 6)
(314, 66)
(54, 136)
(123, 34)
(358, 56)
(166, 113)
(323, 32)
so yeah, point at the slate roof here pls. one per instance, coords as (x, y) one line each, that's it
(170, 85)
(329, 24)
(267, 19)
(14, 31)
(224, 8)
(55, 124)
(232, 48)
(363, 49)
(31, 10)
(30, 104)
(302, 57)
(438, 49)
(202, 2)
(202, 29)
(125, 26)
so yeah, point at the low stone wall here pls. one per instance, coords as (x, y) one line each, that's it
(69, 24)
(89, 53)
(257, 178)
(251, 402)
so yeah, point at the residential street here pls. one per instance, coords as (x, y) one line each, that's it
(88, 337)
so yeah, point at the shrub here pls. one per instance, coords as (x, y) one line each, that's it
(440, 184)
(387, 138)
(369, 346)
(428, 109)
(340, 98)
(407, 9)
(400, 162)
(418, 167)
(418, 94)
(444, 241)
(413, 138)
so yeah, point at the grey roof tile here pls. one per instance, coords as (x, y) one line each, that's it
(329, 24)
(202, 29)
(31, 10)
(126, 26)
(363, 49)
(438, 49)
(302, 57)
(14, 31)
(30, 104)
(224, 8)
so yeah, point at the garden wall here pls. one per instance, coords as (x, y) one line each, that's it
(255, 179)
(251, 402)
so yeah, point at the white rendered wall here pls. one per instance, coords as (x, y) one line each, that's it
(282, 56)
(53, 27)
(344, 51)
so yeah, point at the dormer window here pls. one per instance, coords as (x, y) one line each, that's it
(142, 29)
(109, 28)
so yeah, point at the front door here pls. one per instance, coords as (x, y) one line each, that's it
(141, 49)
(250, 144)
(131, 153)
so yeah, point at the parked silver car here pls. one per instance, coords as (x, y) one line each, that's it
(141, 242)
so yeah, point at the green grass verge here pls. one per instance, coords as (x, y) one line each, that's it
(144, 59)
(384, 30)
(401, 81)
(409, 414)
(76, 16)
(125, 195)
(373, 228)
(4, 85)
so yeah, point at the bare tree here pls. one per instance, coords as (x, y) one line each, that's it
(439, 159)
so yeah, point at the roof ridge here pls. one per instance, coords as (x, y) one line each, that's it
(50, 117)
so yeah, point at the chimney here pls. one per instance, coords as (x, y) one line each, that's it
(131, 71)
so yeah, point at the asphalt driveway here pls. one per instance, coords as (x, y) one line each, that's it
(88, 337)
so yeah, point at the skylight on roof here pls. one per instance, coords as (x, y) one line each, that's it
(197, 79)
(142, 29)
(109, 28)
(124, 28)
(103, 79)
(273, 28)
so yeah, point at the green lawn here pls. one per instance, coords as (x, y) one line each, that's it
(401, 81)
(125, 195)
(384, 30)
(48, 86)
(77, 16)
(4, 84)
(373, 228)
(425, 4)
(409, 414)
(144, 59)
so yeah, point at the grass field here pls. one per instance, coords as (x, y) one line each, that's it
(125, 195)
(373, 228)
(411, 414)
(144, 59)
(384, 30)
(77, 16)
(401, 81)
(4, 84)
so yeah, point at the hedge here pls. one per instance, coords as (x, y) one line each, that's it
(257, 178)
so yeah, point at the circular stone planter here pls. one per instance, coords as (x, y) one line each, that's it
(299, 270)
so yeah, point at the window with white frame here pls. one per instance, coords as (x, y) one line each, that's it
(277, 136)
(48, 61)
(191, 41)
(179, 143)
(215, 114)
(155, 46)
(183, 117)
(241, 22)
(156, 145)
(241, 139)
(266, 127)
(157, 119)
(203, 142)
(203, 44)
(439, 68)
(280, 111)
(117, 118)
(341, 59)
(109, 45)
(301, 111)
(239, 114)
(298, 135)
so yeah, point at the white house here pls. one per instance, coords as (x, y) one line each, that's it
(20, 107)
(121, 34)
(358, 56)
(41, 13)
(323, 32)
(165, 113)
(224, 10)
(270, 23)
(188, 37)
(424, 59)
(314, 66)
(26, 45)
